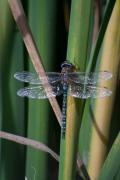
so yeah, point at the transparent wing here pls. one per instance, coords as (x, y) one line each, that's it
(39, 92)
(34, 79)
(89, 78)
(84, 92)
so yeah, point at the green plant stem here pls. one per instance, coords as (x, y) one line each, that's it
(42, 19)
(77, 54)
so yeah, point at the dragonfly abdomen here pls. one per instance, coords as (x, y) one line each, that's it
(64, 109)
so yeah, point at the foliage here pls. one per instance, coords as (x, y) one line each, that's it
(61, 30)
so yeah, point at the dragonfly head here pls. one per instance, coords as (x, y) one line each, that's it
(66, 66)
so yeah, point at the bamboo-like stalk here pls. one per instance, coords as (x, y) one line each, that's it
(98, 44)
(77, 55)
(10, 105)
(85, 132)
(42, 19)
(103, 108)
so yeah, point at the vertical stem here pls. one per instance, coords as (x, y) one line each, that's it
(103, 108)
(77, 54)
(42, 19)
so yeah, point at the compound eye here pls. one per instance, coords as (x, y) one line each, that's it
(66, 64)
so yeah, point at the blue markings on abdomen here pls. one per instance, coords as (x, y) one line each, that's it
(64, 110)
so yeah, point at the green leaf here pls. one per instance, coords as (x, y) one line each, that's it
(111, 167)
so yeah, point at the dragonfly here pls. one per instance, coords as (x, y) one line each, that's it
(68, 82)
